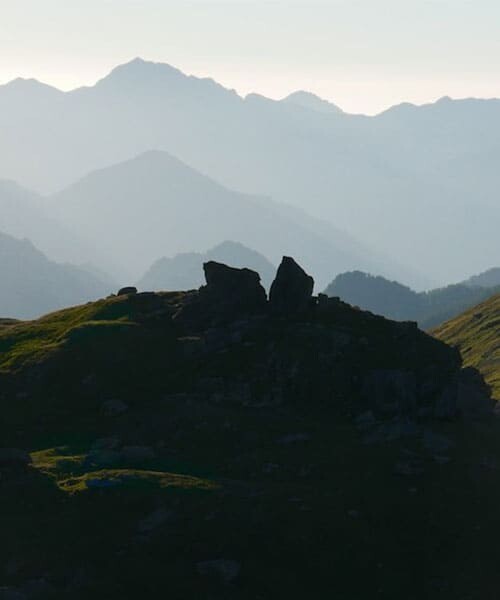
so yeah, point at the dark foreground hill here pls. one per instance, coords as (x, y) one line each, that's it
(396, 301)
(476, 333)
(32, 285)
(215, 444)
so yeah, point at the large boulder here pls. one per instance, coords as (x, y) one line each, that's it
(233, 292)
(292, 289)
(127, 291)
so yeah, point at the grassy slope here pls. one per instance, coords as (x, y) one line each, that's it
(477, 335)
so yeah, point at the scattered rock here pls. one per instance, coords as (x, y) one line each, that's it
(291, 291)
(224, 570)
(233, 292)
(365, 420)
(436, 443)
(392, 391)
(391, 431)
(408, 467)
(126, 291)
(113, 408)
(270, 468)
(154, 520)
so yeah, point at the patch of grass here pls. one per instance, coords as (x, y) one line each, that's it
(476, 333)
(135, 478)
(68, 471)
(29, 342)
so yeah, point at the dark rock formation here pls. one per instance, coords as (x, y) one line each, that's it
(466, 395)
(129, 290)
(242, 285)
(292, 289)
(391, 391)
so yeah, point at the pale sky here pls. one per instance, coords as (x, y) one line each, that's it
(363, 55)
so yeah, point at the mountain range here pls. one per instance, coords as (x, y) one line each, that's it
(414, 182)
(396, 301)
(123, 218)
(33, 285)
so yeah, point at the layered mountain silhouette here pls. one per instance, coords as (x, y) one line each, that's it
(135, 212)
(33, 285)
(413, 182)
(24, 215)
(185, 272)
(399, 302)
(487, 279)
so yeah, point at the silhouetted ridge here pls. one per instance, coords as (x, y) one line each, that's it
(396, 301)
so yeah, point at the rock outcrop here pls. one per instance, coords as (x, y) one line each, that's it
(126, 291)
(292, 289)
(237, 289)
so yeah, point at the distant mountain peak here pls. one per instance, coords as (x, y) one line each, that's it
(140, 71)
(21, 85)
(312, 102)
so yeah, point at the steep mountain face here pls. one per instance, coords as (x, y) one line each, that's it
(476, 333)
(33, 285)
(154, 206)
(399, 302)
(184, 271)
(431, 170)
(168, 430)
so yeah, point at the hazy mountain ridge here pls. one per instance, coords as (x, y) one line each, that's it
(396, 301)
(154, 205)
(184, 271)
(489, 278)
(412, 164)
(33, 285)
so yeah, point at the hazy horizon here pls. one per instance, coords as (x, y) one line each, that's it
(429, 101)
(362, 57)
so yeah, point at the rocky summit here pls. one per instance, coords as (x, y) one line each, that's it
(217, 444)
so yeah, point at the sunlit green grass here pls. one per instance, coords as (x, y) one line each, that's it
(476, 333)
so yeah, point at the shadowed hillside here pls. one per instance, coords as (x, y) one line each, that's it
(167, 431)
